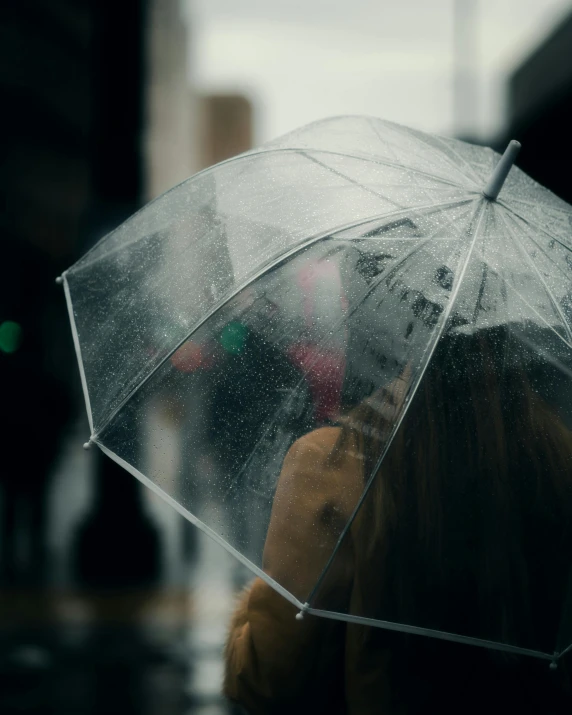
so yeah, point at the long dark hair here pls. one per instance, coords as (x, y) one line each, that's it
(467, 526)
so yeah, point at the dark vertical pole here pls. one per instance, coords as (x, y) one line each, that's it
(117, 545)
(118, 86)
(43, 191)
(465, 85)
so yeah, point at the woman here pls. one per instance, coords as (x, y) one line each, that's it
(467, 528)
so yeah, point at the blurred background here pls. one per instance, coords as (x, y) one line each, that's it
(109, 600)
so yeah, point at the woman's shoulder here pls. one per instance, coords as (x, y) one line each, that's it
(325, 445)
(309, 465)
(319, 441)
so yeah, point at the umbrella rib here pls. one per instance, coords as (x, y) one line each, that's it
(348, 178)
(477, 178)
(426, 358)
(528, 305)
(533, 309)
(156, 489)
(374, 127)
(431, 633)
(546, 355)
(535, 225)
(359, 302)
(567, 213)
(399, 130)
(77, 346)
(357, 183)
(81, 264)
(530, 237)
(551, 297)
(369, 160)
(270, 265)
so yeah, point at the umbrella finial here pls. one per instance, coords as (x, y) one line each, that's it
(497, 178)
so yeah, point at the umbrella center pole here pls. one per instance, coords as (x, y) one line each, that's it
(497, 178)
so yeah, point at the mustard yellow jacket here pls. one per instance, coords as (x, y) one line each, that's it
(275, 663)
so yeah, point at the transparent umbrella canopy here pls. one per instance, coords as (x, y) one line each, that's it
(272, 294)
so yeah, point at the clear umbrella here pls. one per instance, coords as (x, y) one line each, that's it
(288, 286)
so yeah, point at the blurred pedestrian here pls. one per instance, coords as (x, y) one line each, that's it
(242, 406)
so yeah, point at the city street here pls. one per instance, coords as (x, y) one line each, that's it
(151, 653)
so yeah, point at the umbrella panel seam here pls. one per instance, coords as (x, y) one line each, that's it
(431, 633)
(77, 346)
(81, 263)
(156, 489)
(432, 149)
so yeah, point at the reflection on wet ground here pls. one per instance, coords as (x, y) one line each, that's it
(112, 667)
(157, 652)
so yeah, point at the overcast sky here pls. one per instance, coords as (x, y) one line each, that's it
(300, 60)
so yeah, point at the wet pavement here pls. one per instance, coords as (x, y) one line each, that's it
(154, 651)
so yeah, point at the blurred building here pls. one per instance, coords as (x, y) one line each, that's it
(97, 119)
(171, 133)
(46, 186)
(140, 144)
(225, 127)
(465, 68)
(540, 111)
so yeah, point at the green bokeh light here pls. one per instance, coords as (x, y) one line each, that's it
(233, 337)
(10, 336)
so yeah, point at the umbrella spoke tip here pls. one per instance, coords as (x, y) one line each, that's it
(59, 280)
(501, 170)
(302, 611)
(87, 445)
